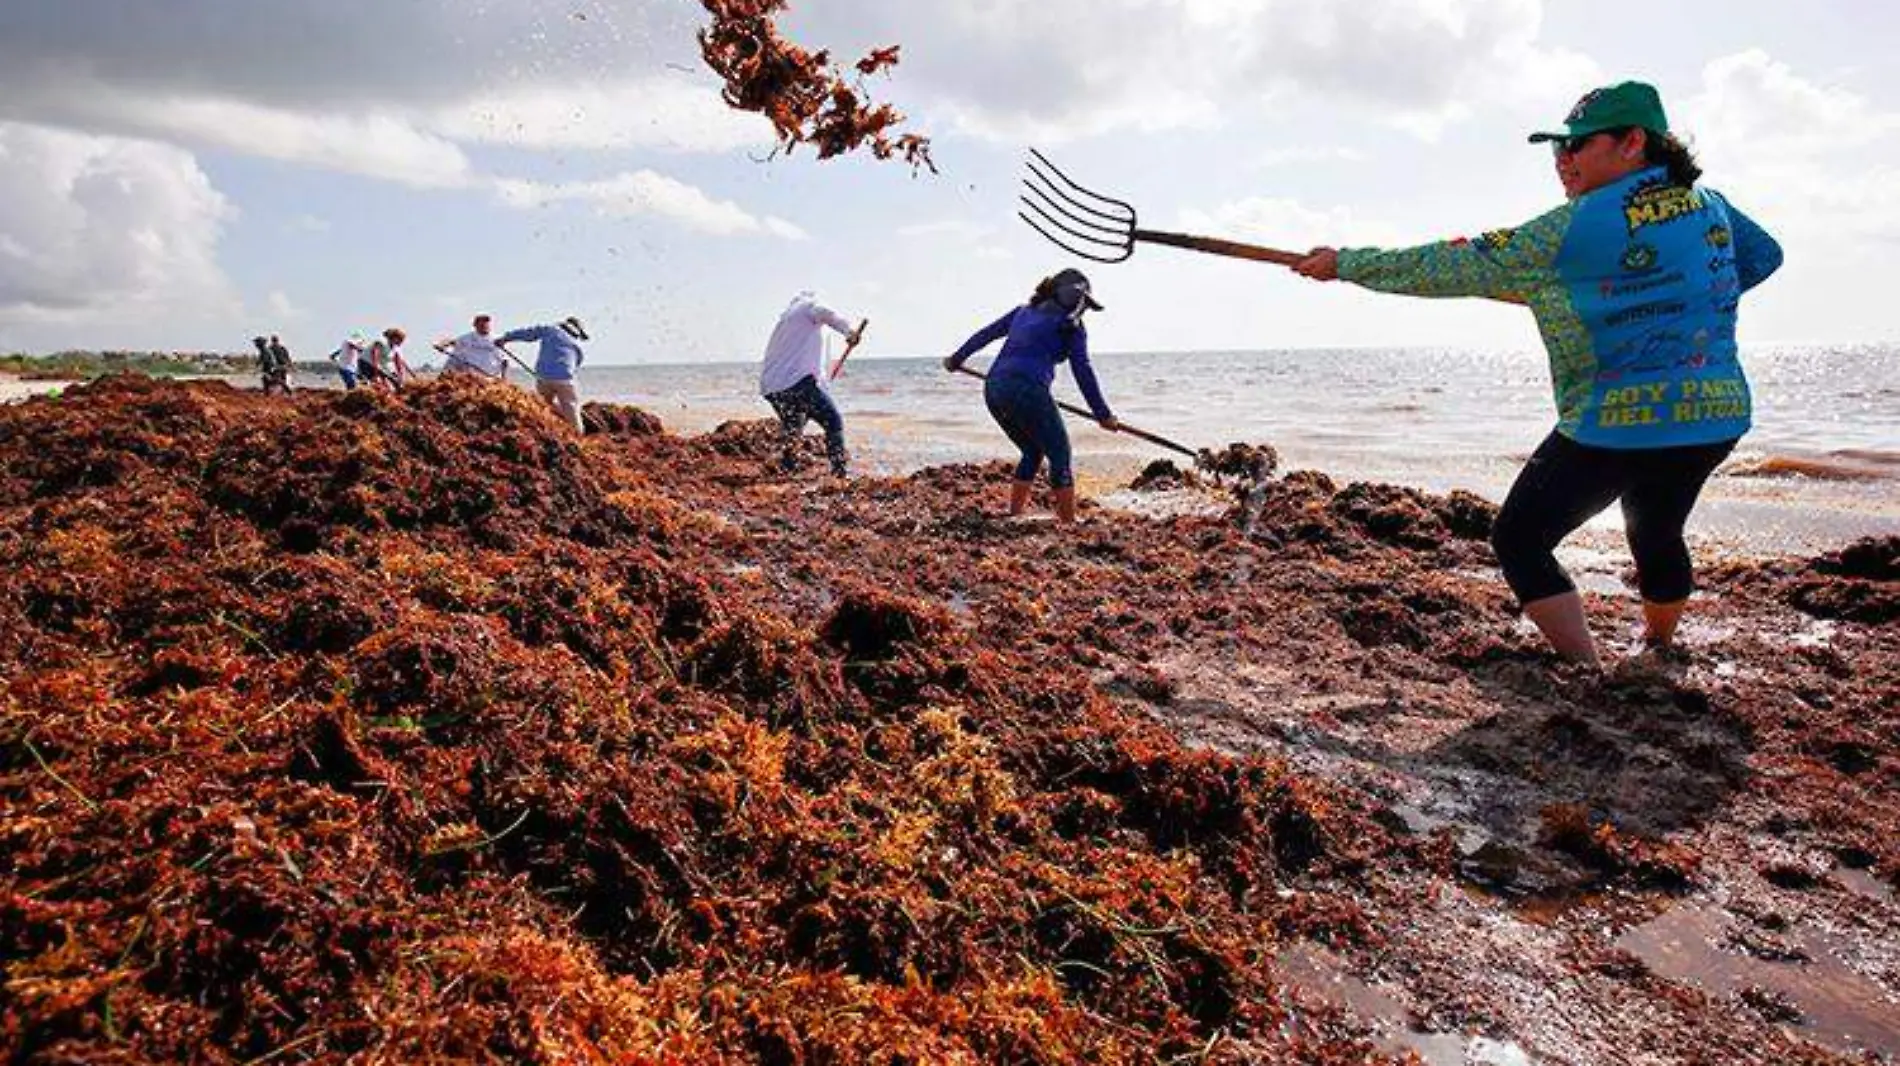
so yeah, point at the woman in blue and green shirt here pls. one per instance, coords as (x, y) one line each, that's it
(1634, 282)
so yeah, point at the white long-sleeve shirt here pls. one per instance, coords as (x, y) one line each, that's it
(478, 353)
(348, 354)
(797, 348)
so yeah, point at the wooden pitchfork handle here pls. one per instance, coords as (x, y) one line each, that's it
(1216, 246)
(1151, 438)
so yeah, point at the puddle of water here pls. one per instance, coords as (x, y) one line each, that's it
(1840, 1008)
(1696, 632)
(1485, 1051)
(1166, 503)
(1319, 973)
(1596, 569)
(1421, 822)
(1864, 883)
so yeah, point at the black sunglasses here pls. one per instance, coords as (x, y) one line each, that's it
(1573, 145)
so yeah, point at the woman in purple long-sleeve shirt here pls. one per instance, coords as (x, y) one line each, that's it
(1042, 333)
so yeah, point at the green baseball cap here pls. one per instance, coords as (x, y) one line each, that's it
(1629, 103)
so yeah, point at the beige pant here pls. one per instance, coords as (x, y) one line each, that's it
(565, 399)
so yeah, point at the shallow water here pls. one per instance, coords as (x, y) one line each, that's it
(1837, 1007)
(1320, 974)
(1822, 466)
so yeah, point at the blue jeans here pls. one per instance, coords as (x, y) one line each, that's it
(348, 376)
(805, 402)
(1027, 412)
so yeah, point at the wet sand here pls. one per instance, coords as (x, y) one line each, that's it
(399, 727)
(13, 389)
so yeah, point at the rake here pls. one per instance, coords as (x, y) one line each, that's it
(1104, 229)
(1142, 434)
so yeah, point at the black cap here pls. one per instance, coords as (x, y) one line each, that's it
(1073, 279)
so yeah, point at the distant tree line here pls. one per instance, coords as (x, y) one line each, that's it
(80, 366)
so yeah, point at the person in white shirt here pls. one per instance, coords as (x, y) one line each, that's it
(346, 357)
(793, 379)
(475, 352)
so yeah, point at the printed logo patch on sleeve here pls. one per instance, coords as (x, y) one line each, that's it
(1495, 240)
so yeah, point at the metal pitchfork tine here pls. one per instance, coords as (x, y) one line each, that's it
(1106, 228)
(1110, 228)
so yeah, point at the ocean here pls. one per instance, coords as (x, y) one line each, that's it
(1822, 466)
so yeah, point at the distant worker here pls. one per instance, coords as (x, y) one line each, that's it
(272, 374)
(348, 358)
(475, 352)
(793, 379)
(281, 355)
(384, 362)
(558, 365)
(1042, 334)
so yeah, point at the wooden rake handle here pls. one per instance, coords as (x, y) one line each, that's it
(586, 426)
(1142, 434)
(856, 336)
(1216, 246)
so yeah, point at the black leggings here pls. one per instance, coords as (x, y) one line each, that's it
(1566, 484)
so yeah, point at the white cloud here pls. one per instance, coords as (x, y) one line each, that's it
(1752, 103)
(1073, 68)
(1273, 158)
(959, 236)
(670, 112)
(281, 305)
(645, 192)
(372, 143)
(339, 56)
(1806, 159)
(105, 226)
(959, 228)
(1287, 224)
(1156, 109)
(528, 76)
(376, 145)
(1420, 65)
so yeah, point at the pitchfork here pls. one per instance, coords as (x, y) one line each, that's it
(1105, 229)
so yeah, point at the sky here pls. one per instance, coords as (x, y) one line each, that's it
(188, 174)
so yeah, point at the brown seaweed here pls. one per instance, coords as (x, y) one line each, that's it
(408, 727)
(800, 91)
(402, 726)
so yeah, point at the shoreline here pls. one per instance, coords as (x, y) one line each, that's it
(14, 389)
(1759, 506)
(1756, 506)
